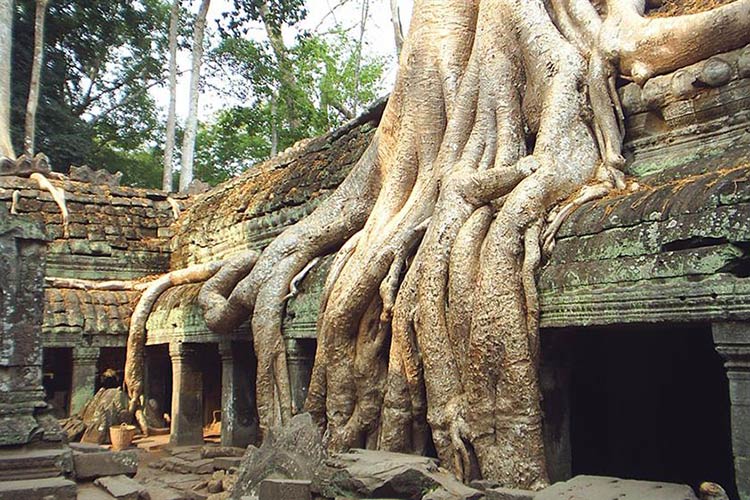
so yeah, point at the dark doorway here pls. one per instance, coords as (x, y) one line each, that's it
(57, 369)
(110, 367)
(159, 376)
(210, 367)
(652, 403)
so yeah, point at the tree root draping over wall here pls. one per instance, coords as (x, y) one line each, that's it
(428, 329)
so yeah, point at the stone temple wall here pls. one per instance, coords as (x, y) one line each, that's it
(114, 233)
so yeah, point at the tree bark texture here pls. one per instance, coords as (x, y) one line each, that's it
(36, 78)
(6, 41)
(428, 329)
(174, 22)
(191, 125)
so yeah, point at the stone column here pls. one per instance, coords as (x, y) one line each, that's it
(187, 395)
(23, 253)
(239, 425)
(83, 384)
(300, 363)
(732, 340)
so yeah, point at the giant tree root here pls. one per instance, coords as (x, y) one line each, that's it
(428, 329)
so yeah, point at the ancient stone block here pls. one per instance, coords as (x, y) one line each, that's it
(284, 489)
(122, 487)
(226, 463)
(508, 494)
(38, 489)
(108, 463)
(598, 488)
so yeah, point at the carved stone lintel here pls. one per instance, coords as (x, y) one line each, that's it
(732, 340)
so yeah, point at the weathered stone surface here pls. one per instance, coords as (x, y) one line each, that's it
(284, 489)
(122, 487)
(107, 408)
(716, 72)
(600, 488)
(293, 452)
(508, 494)
(226, 463)
(370, 473)
(18, 464)
(87, 447)
(108, 463)
(38, 489)
(221, 451)
(94, 176)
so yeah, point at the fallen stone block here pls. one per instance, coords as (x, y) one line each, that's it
(226, 463)
(371, 473)
(122, 487)
(295, 451)
(284, 489)
(221, 451)
(38, 489)
(508, 494)
(157, 493)
(106, 463)
(204, 466)
(599, 487)
(88, 447)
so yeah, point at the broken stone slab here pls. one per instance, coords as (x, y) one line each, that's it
(222, 451)
(122, 487)
(284, 489)
(38, 489)
(600, 487)
(372, 473)
(295, 451)
(508, 494)
(18, 464)
(87, 447)
(106, 463)
(226, 463)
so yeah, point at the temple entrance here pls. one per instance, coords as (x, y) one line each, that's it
(110, 367)
(159, 376)
(57, 370)
(649, 402)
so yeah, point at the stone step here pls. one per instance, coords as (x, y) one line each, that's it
(38, 489)
(20, 464)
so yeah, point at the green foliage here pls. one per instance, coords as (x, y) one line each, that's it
(332, 82)
(101, 59)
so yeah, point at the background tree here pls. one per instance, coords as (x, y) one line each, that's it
(102, 59)
(169, 145)
(36, 72)
(191, 123)
(6, 39)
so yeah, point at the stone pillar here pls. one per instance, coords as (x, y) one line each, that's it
(22, 266)
(732, 340)
(239, 424)
(83, 383)
(300, 363)
(187, 395)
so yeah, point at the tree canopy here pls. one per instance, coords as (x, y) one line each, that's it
(103, 62)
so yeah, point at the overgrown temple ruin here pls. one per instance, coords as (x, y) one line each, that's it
(643, 315)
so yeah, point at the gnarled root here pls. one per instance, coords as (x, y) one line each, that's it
(430, 312)
(137, 332)
(58, 194)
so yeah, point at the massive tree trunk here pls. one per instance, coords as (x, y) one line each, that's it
(36, 78)
(428, 328)
(6, 40)
(191, 125)
(174, 21)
